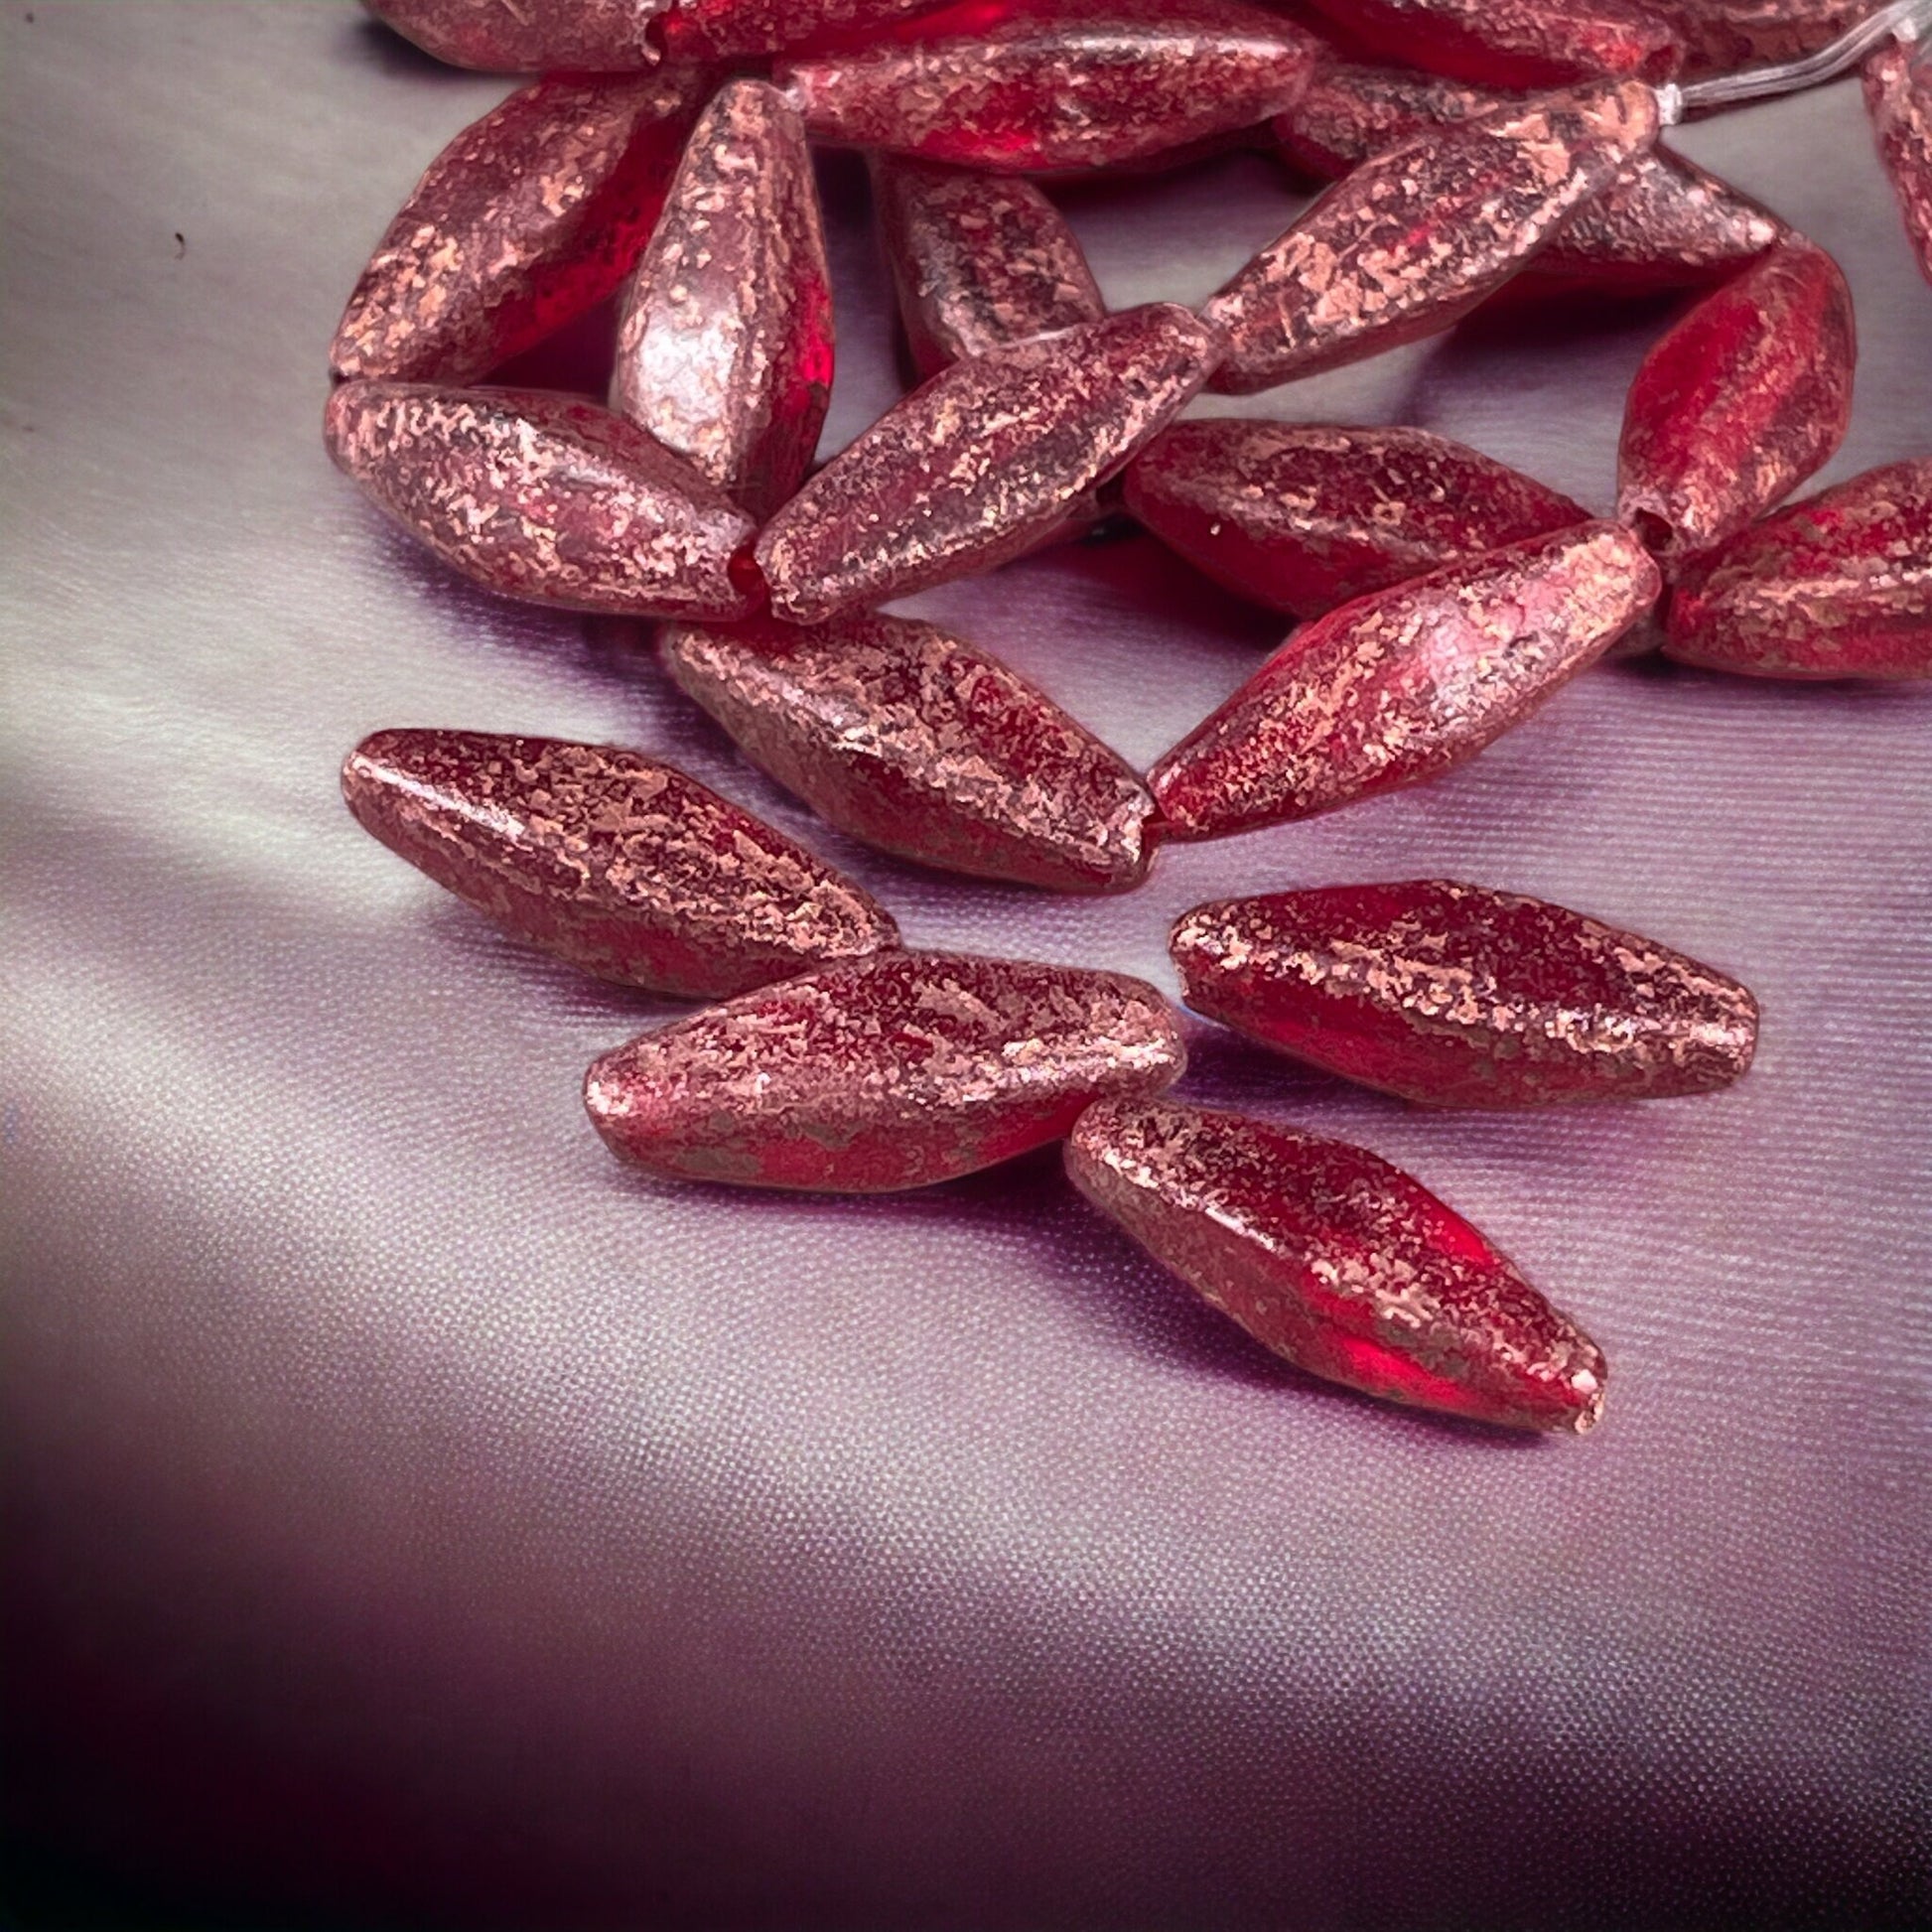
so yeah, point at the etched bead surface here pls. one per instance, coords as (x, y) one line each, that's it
(1399, 686)
(725, 349)
(609, 859)
(921, 743)
(1838, 586)
(1899, 97)
(1417, 235)
(891, 1072)
(1338, 1261)
(1457, 996)
(1739, 402)
(543, 496)
(1301, 517)
(1511, 42)
(527, 218)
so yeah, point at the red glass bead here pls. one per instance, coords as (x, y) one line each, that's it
(973, 469)
(1838, 586)
(1739, 402)
(1301, 517)
(1899, 95)
(1513, 43)
(1031, 86)
(893, 1072)
(922, 744)
(978, 260)
(610, 860)
(543, 496)
(725, 349)
(1338, 1261)
(1417, 235)
(1724, 36)
(530, 216)
(720, 30)
(517, 37)
(1399, 686)
(1457, 996)
(1663, 222)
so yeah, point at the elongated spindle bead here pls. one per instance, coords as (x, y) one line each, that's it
(1513, 43)
(1421, 234)
(891, 1072)
(1037, 86)
(1739, 402)
(1301, 517)
(610, 860)
(546, 498)
(1899, 98)
(1457, 996)
(921, 743)
(973, 469)
(1339, 1262)
(1399, 686)
(1837, 585)
(725, 349)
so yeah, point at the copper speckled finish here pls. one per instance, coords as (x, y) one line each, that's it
(1400, 686)
(1899, 95)
(1739, 402)
(973, 468)
(1838, 586)
(895, 1072)
(725, 349)
(1511, 42)
(1662, 223)
(921, 744)
(1029, 87)
(528, 218)
(1343, 1264)
(1457, 996)
(1301, 517)
(1723, 36)
(1417, 235)
(978, 260)
(527, 36)
(543, 496)
(715, 30)
(610, 860)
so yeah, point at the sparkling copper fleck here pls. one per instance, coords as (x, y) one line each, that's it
(1301, 517)
(530, 216)
(1899, 97)
(973, 469)
(1511, 42)
(610, 860)
(1662, 223)
(1031, 86)
(1739, 402)
(1338, 1261)
(1724, 36)
(728, 30)
(1417, 235)
(1399, 686)
(543, 496)
(724, 348)
(1457, 996)
(922, 744)
(531, 36)
(1838, 586)
(978, 260)
(893, 1072)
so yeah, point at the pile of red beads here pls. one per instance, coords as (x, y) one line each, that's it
(1444, 597)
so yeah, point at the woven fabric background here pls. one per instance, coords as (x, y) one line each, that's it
(411, 1516)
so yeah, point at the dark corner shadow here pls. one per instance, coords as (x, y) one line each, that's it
(576, 357)
(372, 43)
(1135, 569)
(1226, 1070)
(1109, 1279)
(1513, 319)
(1653, 667)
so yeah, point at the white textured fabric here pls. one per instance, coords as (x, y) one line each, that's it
(414, 1513)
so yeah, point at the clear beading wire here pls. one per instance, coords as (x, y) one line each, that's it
(1903, 20)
